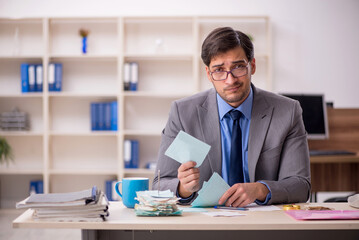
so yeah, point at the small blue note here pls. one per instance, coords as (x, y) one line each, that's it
(187, 148)
(211, 192)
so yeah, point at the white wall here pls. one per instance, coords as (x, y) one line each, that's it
(315, 42)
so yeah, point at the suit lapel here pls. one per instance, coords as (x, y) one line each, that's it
(261, 116)
(209, 124)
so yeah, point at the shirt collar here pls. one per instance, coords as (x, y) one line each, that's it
(245, 107)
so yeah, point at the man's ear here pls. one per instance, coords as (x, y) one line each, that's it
(208, 74)
(253, 66)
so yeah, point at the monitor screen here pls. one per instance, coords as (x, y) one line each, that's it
(314, 114)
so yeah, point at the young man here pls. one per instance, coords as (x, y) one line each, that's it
(257, 138)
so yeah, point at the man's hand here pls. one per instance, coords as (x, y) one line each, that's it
(189, 179)
(242, 194)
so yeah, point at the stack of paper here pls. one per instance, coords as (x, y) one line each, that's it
(88, 205)
(211, 192)
(157, 203)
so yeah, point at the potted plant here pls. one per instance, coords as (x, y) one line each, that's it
(6, 154)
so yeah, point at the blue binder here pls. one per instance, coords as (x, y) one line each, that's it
(101, 116)
(55, 77)
(36, 187)
(24, 77)
(108, 190)
(32, 77)
(94, 117)
(134, 153)
(107, 117)
(134, 76)
(39, 78)
(51, 77)
(127, 153)
(58, 77)
(114, 116)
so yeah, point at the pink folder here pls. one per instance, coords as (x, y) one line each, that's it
(323, 215)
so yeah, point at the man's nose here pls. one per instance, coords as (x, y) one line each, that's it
(230, 79)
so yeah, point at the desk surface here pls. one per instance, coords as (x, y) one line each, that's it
(122, 218)
(335, 159)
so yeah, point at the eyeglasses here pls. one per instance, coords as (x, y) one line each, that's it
(236, 72)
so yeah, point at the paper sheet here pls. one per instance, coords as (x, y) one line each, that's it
(187, 148)
(186, 209)
(253, 207)
(160, 194)
(211, 192)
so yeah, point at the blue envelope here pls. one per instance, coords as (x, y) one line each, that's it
(187, 148)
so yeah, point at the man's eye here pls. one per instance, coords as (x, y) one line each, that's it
(218, 70)
(241, 66)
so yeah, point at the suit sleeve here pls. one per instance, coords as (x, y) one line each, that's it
(293, 183)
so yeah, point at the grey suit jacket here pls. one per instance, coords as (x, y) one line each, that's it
(277, 150)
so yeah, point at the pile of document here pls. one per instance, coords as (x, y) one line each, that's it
(89, 205)
(157, 203)
(14, 120)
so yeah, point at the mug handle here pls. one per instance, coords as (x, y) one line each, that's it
(116, 188)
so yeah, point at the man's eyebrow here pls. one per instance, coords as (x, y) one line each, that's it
(218, 65)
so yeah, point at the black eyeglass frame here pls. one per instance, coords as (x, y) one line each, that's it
(230, 72)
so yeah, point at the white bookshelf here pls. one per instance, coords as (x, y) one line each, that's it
(60, 147)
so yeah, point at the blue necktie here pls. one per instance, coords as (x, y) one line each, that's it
(235, 165)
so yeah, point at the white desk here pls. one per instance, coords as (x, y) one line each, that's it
(124, 224)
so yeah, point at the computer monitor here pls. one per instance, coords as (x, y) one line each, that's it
(314, 114)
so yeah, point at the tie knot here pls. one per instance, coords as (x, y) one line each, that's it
(235, 114)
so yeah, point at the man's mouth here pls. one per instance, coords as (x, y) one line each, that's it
(232, 88)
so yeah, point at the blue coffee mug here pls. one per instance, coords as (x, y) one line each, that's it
(129, 188)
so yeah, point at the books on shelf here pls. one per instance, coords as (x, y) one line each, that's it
(55, 77)
(89, 205)
(36, 186)
(131, 153)
(130, 76)
(31, 77)
(104, 116)
(110, 190)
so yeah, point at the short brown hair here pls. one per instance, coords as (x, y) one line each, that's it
(223, 39)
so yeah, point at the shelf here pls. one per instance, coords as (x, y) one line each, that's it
(158, 57)
(22, 95)
(21, 58)
(60, 148)
(20, 171)
(83, 57)
(82, 95)
(65, 39)
(158, 36)
(21, 134)
(85, 134)
(141, 133)
(148, 94)
(82, 172)
(21, 37)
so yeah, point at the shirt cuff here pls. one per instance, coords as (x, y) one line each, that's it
(269, 195)
(185, 200)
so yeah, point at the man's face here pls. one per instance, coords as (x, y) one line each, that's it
(234, 90)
